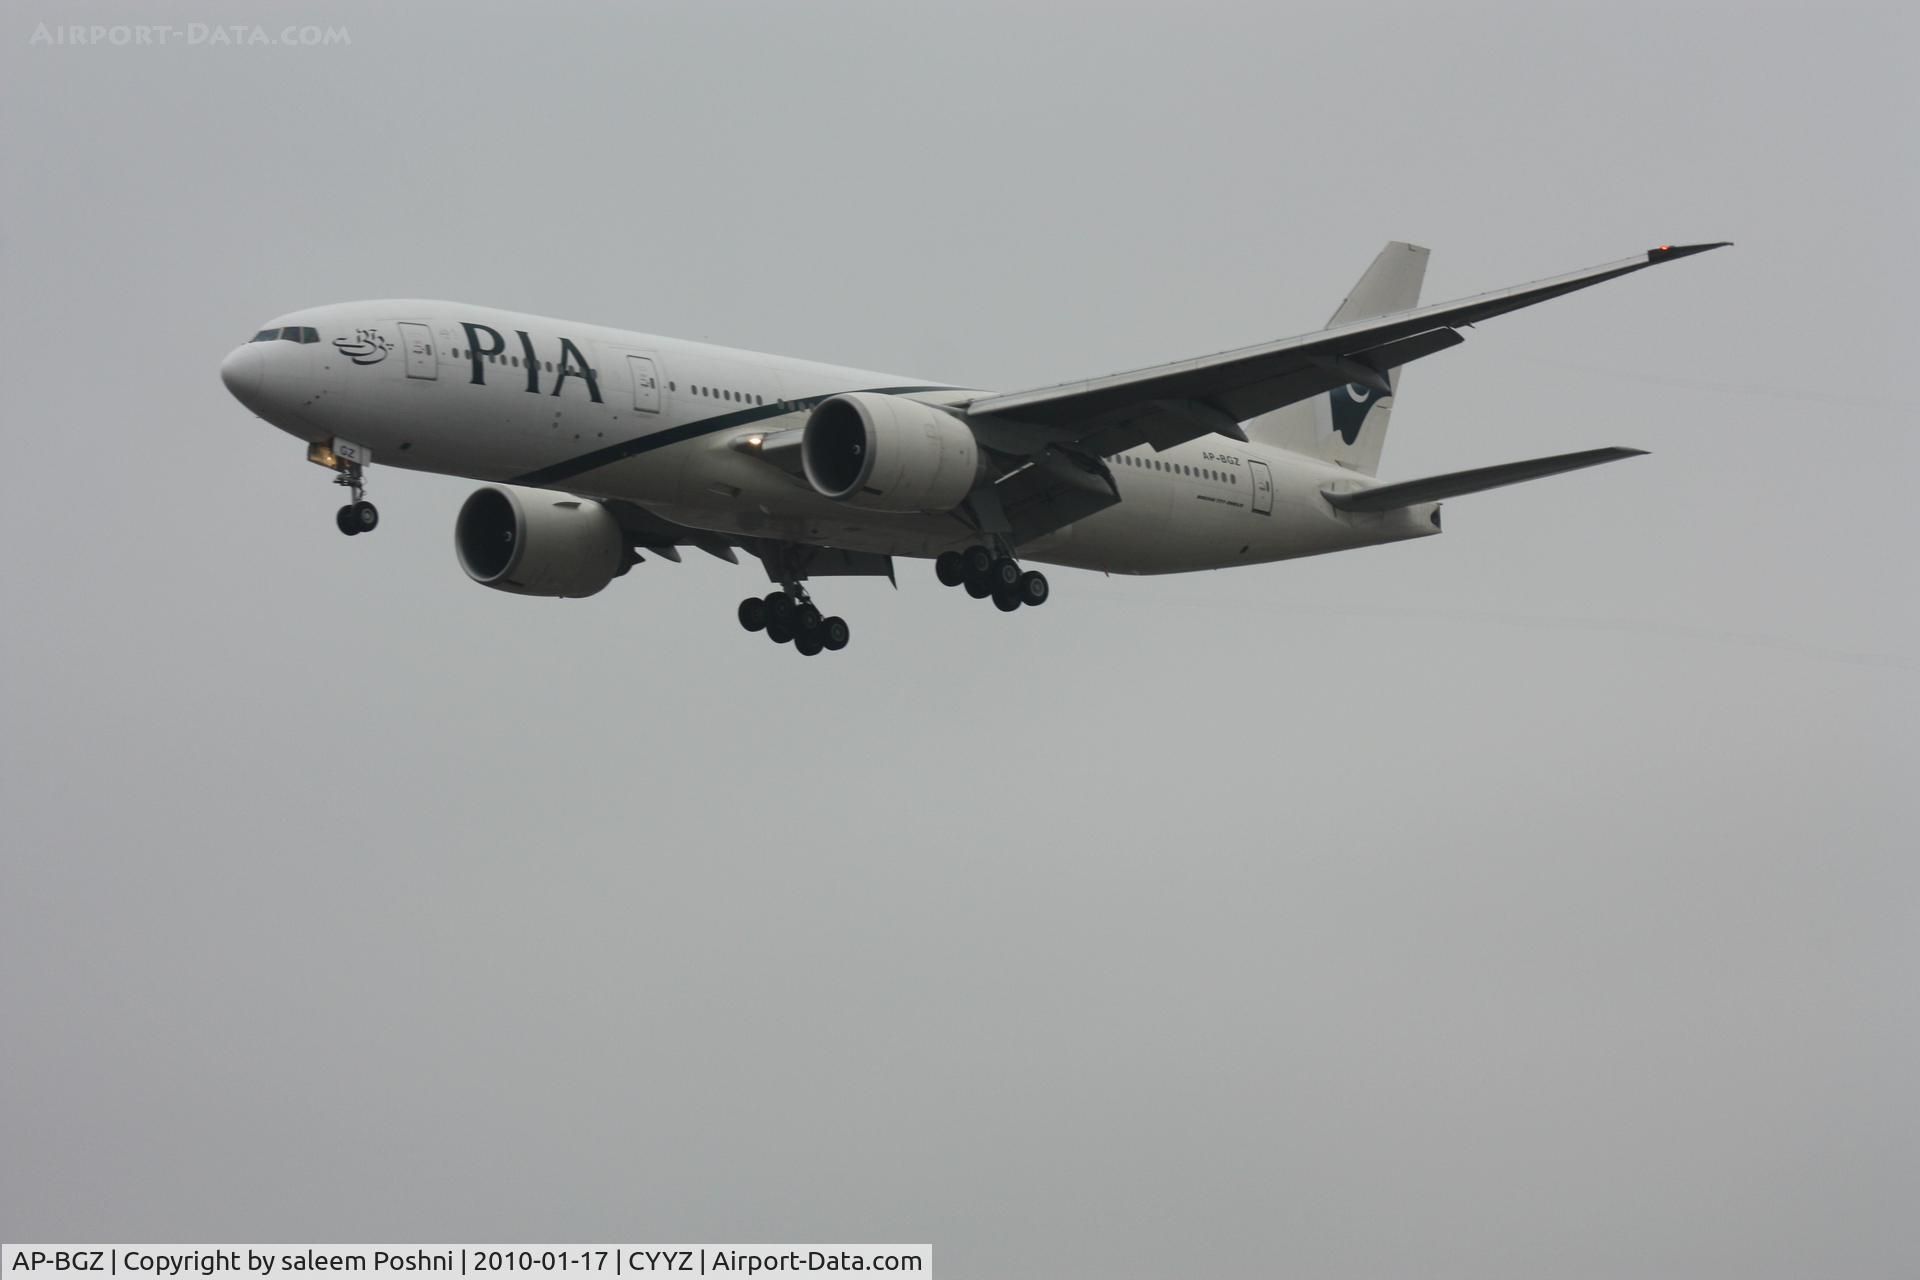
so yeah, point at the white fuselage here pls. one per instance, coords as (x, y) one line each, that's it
(607, 413)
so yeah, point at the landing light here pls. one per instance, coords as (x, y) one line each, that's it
(322, 453)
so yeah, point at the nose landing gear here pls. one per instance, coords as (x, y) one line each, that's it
(986, 575)
(358, 516)
(789, 616)
(349, 462)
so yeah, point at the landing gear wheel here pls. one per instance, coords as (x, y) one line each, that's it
(1005, 601)
(1004, 575)
(346, 520)
(978, 587)
(834, 634)
(753, 613)
(949, 569)
(809, 642)
(366, 515)
(806, 620)
(778, 632)
(975, 561)
(1033, 588)
(779, 606)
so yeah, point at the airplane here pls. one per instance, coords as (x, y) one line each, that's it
(598, 447)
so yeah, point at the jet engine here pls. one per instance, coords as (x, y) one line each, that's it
(888, 453)
(536, 542)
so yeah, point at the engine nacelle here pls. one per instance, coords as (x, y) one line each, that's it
(888, 453)
(536, 542)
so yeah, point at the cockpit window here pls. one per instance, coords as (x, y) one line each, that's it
(266, 335)
(309, 334)
(291, 333)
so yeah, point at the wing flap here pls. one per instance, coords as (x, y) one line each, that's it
(1407, 493)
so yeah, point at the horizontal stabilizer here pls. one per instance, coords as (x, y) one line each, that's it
(1389, 497)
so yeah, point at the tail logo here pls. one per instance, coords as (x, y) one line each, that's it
(1350, 405)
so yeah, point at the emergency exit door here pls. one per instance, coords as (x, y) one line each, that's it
(646, 383)
(417, 339)
(1262, 477)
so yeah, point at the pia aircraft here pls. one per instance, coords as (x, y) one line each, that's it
(597, 447)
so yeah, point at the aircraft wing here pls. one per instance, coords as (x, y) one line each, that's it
(658, 536)
(1169, 403)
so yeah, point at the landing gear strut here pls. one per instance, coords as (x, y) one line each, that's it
(358, 516)
(987, 575)
(789, 616)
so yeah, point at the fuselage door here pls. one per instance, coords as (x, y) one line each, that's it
(417, 339)
(1262, 477)
(646, 383)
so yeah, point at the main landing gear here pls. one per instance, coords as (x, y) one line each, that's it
(789, 617)
(986, 575)
(358, 516)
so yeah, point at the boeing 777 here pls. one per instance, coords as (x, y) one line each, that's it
(598, 447)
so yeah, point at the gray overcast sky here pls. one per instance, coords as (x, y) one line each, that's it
(1538, 899)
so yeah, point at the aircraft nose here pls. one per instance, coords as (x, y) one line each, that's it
(241, 371)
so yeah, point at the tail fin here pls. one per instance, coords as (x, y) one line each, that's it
(1349, 424)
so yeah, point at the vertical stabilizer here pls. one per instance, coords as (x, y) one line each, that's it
(1348, 425)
